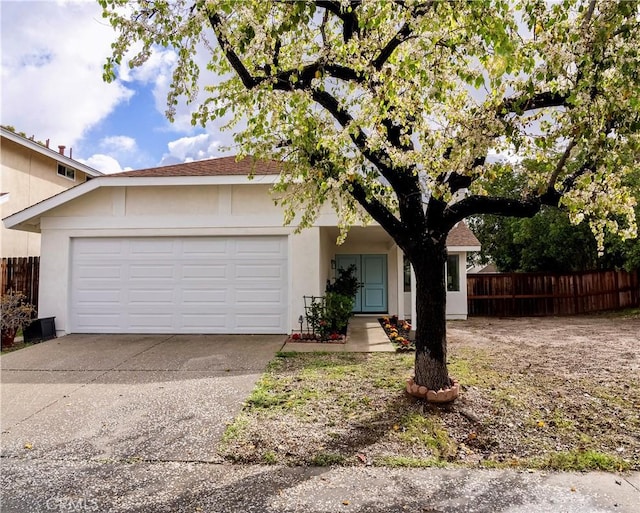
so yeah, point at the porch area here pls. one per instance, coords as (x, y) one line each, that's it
(364, 335)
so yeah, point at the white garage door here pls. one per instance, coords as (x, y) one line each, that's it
(179, 285)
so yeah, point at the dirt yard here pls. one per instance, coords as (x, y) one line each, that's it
(561, 393)
(608, 346)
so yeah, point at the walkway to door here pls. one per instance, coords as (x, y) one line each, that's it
(365, 335)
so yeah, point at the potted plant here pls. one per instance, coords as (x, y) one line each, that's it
(16, 315)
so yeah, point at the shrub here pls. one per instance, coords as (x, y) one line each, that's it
(16, 314)
(346, 283)
(338, 309)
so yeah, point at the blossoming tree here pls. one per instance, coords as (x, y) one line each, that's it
(404, 111)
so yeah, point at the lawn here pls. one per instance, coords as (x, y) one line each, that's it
(559, 393)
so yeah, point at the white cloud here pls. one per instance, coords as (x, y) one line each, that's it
(104, 163)
(157, 72)
(51, 72)
(188, 149)
(119, 144)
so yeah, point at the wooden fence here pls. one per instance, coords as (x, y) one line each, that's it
(22, 274)
(539, 294)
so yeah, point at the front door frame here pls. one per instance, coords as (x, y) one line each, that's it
(372, 272)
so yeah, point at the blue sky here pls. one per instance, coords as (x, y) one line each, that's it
(51, 71)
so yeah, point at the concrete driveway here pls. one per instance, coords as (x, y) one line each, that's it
(127, 397)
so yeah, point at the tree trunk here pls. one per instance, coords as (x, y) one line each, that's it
(431, 330)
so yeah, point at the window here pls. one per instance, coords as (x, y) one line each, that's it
(67, 172)
(453, 273)
(407, 274)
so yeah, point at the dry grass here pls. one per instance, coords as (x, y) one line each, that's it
(538, 393)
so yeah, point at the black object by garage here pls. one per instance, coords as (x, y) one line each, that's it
(40, 330)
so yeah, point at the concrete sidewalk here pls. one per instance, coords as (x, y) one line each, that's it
(155, 487)
(365, 335)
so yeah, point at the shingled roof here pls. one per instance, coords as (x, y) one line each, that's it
(461, 235)
(223, 166)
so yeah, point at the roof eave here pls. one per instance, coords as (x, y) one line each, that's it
(48, 152)
(464, 248)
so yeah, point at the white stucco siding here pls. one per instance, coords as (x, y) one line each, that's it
(122, 213)
(225, 209)
(163, 201)
(457, 300)
(304, 265)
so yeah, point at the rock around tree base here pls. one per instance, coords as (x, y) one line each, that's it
(440, 396)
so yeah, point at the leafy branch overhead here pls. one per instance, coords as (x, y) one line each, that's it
(407, 111)
(404, 103)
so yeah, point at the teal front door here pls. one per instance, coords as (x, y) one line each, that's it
(371, 271)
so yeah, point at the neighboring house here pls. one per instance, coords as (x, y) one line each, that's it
(31, 172)
(482, 269)
(200, 248)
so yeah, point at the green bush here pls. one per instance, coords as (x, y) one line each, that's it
(338, 309)
(346, 283)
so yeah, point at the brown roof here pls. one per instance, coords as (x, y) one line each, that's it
(222, 166)
(461, 235)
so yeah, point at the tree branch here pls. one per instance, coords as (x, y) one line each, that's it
(560, 166)
(247, 79)
(473, 205)
(378, 212)
(404, 183)
(403, 34)
(589, 14)
(522, 104)
(349, 19)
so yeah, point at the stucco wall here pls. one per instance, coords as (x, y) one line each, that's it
(457, 301)
(162, 201)
(207, 210)
(179, 211)
(28, 177)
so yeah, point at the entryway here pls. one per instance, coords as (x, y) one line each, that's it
(371, 271)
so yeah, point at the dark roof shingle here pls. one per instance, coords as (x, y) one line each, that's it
(223, 166)
(461, 235)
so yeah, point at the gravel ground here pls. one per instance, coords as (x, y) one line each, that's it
(561, 393)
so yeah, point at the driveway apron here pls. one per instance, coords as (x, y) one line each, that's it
(127, 397)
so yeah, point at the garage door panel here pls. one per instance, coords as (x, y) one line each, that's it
(180, 285)
(151, 271)
(97, 320)
(101, 247)
(93, 272)
(145, 320)
(252, 247)
(151, 296)
(205, 297)
(246, 272)
(206, 248)
(258, 296)
(200, 271)
(198, 323)
(99, 297)
(158, 248)
(249, 323)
